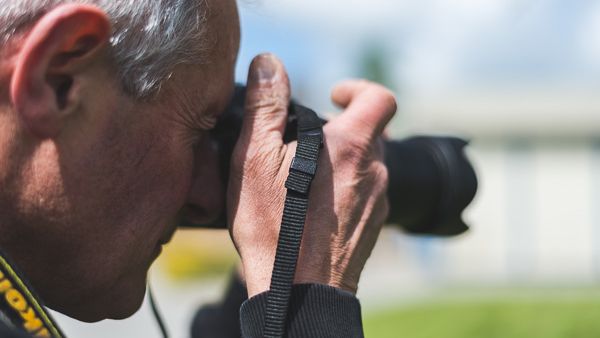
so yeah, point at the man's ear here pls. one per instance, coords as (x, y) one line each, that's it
(58, 49)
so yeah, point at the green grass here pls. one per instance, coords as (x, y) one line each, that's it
(558, 318)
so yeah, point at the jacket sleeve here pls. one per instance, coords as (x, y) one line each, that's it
(222, 319)
(315, 311)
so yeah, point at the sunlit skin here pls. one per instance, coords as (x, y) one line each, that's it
(91, 189)
(92, 181)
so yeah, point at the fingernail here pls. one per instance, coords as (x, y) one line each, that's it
(264, 69)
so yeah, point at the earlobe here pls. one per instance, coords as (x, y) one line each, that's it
(56, 52)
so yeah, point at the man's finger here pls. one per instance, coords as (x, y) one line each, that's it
(267, 100)
(369, 107)
(343, 92)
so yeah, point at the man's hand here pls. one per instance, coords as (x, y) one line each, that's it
(347, 202)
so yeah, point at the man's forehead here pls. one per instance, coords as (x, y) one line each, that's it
(223, 21)
(203, 92)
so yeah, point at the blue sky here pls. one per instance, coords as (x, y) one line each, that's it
(466, 67)
(432, 42)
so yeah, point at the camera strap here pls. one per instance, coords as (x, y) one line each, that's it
(302, 171)
(20, 308)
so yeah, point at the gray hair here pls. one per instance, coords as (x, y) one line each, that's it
(150, 37)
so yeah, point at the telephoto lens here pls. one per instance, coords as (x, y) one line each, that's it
(431, 181)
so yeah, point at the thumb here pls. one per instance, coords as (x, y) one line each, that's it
(267, 101)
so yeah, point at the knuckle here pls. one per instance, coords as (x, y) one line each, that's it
(391, 102)
(267, 102)
(386, 97)
(354, 153)
(361, 150)
(261, 157)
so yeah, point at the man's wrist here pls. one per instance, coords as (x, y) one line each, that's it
(258, 279)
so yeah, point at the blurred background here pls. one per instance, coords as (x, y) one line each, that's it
(520, 79)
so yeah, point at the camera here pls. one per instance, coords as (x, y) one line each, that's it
(431, 181)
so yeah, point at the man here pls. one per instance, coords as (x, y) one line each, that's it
(105, 108)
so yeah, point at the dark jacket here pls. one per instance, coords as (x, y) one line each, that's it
(315, 311)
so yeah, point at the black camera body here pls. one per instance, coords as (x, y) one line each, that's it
(431, 180)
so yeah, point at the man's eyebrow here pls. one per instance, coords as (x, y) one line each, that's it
(208, 122)
(195, 113)
(200, 119)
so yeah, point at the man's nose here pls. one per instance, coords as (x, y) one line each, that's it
(206, 198)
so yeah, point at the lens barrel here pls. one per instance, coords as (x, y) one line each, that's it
(431, 182)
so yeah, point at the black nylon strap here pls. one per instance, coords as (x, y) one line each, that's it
(21, 307)
(302, 172)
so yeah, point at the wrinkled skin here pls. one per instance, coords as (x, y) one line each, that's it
(347, 203)
(92, 181)
(91, 190)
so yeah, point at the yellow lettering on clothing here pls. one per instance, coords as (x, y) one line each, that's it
(16, 300)
(32, 323)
